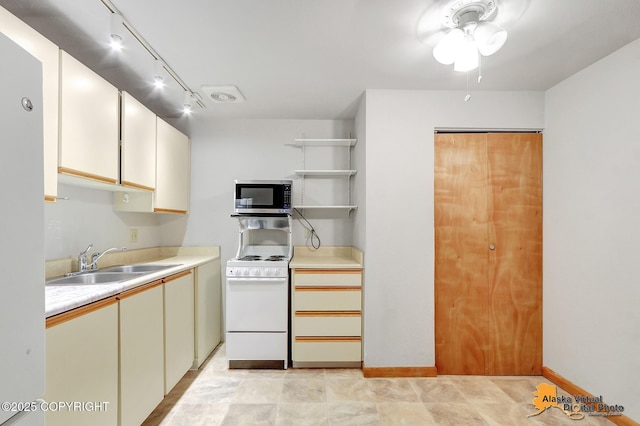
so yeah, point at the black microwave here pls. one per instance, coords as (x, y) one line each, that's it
(262, 197)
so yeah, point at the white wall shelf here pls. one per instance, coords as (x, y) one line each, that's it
(326, 208)
(333, 196)
(326, 173)
(325, 142)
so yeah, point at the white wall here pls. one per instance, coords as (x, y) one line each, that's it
(224, 150)
(398, 300)
(87, 217)
(360, 179)
(591, 229)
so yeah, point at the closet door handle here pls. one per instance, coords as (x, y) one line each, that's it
(492, 246)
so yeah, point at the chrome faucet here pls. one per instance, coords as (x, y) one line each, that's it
(97, 255)
(83, 261)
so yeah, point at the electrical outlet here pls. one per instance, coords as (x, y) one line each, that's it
(133, 235)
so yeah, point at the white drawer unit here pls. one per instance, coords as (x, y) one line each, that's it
(328, 278)
(328, 324)
(327, 317)
(333, 299)
(321, 351)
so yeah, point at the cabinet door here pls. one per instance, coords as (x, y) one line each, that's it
(141, 354)
(47, 53)
(208, 310)
(488, 253)
(178, 328)
(138, 144)
(173, 170)
(89, 123)
(22, 346)
(82, 365)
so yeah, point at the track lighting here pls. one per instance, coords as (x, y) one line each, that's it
(163, 74)
(188, 102)
(158, 78)
(116, 32)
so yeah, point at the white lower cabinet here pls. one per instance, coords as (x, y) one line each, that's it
(208, 310)
(178, 328)
(141, 352)
(128, 351)
(82, 365)
(326, 317)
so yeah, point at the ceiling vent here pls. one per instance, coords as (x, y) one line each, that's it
(223, 94)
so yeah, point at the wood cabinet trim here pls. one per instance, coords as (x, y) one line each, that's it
(140, 289)
(320, 339)
(328, 271)
(79, 311)
(136, 186)
(328, 313)
(371, 372)
(78, 173)
(176, 276)
(160, 210)
(329, 288)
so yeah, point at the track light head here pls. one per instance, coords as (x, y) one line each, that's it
(116, 31)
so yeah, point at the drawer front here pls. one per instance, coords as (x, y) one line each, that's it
(328, 278)
(256, 346)
(325, 325)
(315, 299)
(327, 351)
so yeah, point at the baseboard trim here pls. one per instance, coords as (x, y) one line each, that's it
(574, 389)
(370, 372)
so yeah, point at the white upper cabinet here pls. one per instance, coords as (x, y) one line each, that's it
(47, 53)
(138, 144)
(89, 123)
(173, 170)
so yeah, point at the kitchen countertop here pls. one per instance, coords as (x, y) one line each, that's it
(326, 258)
(62, 298)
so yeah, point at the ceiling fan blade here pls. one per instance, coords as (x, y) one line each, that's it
(429, 25)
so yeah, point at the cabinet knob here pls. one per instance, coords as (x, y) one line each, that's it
(492, 246)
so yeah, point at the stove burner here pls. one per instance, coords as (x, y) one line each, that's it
(255, 257)
(275, 258)
(251, 257)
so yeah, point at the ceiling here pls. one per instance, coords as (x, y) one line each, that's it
(313, 59)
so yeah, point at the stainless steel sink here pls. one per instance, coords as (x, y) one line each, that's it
(99, 277)
(142, 268)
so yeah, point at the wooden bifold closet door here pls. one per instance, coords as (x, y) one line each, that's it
(488, 253)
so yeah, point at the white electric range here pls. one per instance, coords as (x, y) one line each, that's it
(257, 294)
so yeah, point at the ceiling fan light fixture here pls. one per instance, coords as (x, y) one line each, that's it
(467, 56)
(445, 50)
(471, 34)
(490, 37)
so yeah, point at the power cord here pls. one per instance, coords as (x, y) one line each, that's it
(313, 235)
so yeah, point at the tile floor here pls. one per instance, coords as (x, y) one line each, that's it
(215, 395)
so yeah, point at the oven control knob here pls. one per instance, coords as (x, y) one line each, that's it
(270, 272)
(255, 272)
(245, 271)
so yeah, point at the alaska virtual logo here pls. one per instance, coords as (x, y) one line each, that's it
(575, 407)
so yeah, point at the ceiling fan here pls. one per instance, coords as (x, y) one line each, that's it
(462, 31)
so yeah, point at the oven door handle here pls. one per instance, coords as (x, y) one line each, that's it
(254, 279)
